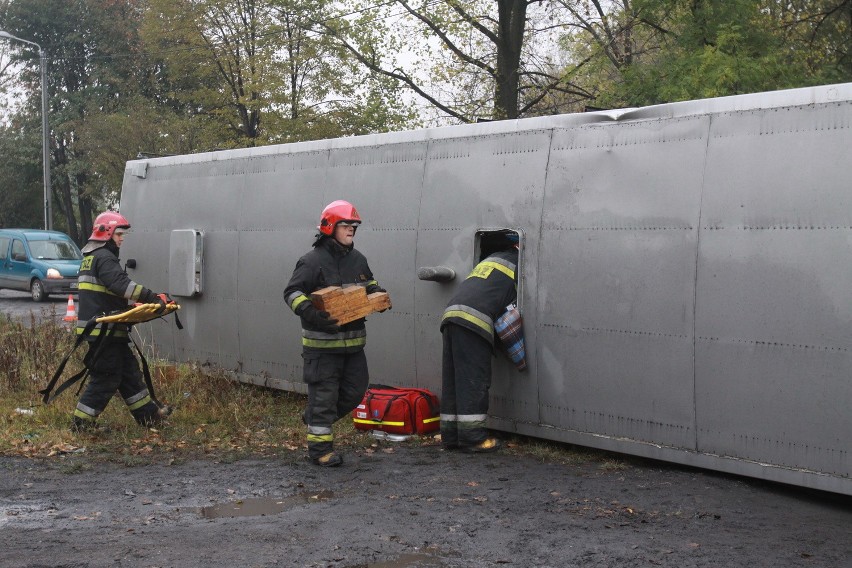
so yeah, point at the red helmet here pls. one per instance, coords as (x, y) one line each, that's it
(105, 225)
(334, 213)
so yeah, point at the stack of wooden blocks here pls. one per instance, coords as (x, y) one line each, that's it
(349, 303)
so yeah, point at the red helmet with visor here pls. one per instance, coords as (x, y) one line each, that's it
(105, 225)
(337, 212)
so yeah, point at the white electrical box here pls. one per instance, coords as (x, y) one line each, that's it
(186, 250)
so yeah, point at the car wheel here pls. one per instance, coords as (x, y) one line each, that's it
(37, 291)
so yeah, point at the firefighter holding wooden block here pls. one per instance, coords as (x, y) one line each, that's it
(335, 366)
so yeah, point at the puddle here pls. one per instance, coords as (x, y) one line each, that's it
(262, 506)
(32, 514)
(404, 561)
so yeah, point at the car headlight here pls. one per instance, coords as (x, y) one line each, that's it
(52, 273)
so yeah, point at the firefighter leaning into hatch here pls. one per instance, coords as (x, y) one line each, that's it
(335, 366)
(467, 327)
(104, 288)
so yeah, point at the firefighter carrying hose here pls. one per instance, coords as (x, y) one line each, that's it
(335, 366)
(104, 288)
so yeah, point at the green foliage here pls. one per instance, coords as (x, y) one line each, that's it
(264, 77)
(21, 187)
(161, 77)
(215, 56)
(818, 34)
(90, 69)
(686, 49)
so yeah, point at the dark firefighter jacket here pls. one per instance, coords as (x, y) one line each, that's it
(105, 288)
(329, 264)
(483, 296)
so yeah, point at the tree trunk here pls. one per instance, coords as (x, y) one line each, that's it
(65, 192)
(512, 23)
(84, 203)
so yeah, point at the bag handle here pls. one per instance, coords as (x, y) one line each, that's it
(369, 402)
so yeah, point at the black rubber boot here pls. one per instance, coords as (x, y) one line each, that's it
(486, 446)
(331, 459)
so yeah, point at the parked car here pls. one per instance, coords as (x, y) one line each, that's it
(43, 262)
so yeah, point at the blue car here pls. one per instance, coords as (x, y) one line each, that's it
(41, 262)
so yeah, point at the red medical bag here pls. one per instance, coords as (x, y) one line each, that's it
(398, 411)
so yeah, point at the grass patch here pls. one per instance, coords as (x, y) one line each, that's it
(215, 416)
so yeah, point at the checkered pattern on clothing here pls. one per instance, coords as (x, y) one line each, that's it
(509, 327)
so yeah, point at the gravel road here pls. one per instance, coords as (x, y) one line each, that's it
(21, 306)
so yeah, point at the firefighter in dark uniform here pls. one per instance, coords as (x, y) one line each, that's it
(467, 327)
(104, 288)
(335, 366)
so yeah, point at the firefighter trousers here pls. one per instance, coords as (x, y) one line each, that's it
(336, 385)
(465, 381)
(115, 370)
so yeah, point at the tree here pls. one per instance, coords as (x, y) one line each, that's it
(821, 31)
(217, 57)
(88, 43)
(480, 59)
(652, 51)
(21, 191)
(255, 66)
(7, 76)
(326, 93)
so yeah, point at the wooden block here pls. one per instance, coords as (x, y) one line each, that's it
(379, 301)
(349, 303)
(324, 296)
(358, 312)
(349, 297)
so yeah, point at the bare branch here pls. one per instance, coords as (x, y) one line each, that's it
(396, 74)
(457, 8)
(447, 41)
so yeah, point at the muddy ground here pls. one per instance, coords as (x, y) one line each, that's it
(407, 505)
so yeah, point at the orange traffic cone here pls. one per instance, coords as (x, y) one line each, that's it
(70, 313)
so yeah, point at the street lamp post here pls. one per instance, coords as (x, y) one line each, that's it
(48, 196)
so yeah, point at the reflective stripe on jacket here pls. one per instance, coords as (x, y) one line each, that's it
(329, 264)
(104, 288)
(484, 294)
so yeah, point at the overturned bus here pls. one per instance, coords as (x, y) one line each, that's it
(685, 275)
